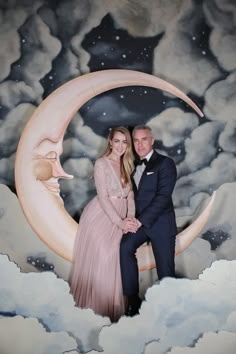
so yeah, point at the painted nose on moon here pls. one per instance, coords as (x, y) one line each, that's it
(40, 147)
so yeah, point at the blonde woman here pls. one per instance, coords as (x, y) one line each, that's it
(95, 279)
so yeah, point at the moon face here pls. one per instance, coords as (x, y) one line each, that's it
(38, 168)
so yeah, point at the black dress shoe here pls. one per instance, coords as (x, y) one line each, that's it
(133, 309)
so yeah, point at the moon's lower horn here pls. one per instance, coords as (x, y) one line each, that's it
(145, 255)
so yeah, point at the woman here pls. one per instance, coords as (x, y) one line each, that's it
(95, 279)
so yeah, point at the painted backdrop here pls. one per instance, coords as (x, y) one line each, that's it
(191, 44)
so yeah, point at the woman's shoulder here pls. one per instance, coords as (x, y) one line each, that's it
(100, 161)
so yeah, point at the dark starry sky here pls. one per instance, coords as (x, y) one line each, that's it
(113, 48)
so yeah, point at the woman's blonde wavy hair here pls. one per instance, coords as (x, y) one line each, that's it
(127, 165)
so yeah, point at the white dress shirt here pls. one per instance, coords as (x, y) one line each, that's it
(140, 169)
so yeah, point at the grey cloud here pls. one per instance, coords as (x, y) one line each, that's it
(222, 18)
(184, 64)
(223, 212)
(93, 17)
(59, 75)
(71, 64)
(222, 218)
(19, 241)
(40, 49)
(220, 100)
(145, 19)
(200, 148)
(11, 20)
(86, 135)
(12, 93)
(185, 212)
(14, 4)
(29, 334)
(80, 168)
(7, 170)
(48, 15)
(194, 259)
(220, 14)
(76, 149)
(12, 126)
(80, 189)
(227, 250)
(221, 170)
(223, 46)
(72, 15)
(181, 66)
(70, 22)
(173, 125)
(227, 139)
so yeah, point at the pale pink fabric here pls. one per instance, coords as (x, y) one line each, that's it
(95, 279)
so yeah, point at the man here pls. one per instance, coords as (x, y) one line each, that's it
(153, 181)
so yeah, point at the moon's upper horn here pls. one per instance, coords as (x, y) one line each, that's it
(71, 96)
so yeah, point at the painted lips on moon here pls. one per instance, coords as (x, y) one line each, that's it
(38, 168)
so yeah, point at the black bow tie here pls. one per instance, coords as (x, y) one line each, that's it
(140, 162)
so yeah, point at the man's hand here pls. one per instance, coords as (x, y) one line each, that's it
(139, 224)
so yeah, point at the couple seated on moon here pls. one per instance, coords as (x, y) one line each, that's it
(106, 258)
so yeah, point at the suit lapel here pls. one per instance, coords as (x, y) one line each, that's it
(133, 181)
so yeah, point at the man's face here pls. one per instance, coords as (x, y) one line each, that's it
(143, 142)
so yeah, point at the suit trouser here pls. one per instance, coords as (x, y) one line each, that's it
(163, 246)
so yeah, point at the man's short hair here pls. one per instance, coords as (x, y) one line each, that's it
(141, 127)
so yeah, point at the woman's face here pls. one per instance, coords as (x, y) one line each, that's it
(118, 144)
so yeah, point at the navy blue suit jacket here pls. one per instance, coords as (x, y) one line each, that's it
(153, 198)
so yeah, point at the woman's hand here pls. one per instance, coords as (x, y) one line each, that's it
(130, 224)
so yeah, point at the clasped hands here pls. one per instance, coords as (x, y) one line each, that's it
(131, 224)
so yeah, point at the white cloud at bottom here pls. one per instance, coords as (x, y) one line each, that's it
(210, 343)
(47, 298)
(15, 333)
(177, 312)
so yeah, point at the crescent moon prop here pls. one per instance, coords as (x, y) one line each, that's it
(38, 168)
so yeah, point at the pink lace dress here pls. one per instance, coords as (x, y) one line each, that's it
(95, 278)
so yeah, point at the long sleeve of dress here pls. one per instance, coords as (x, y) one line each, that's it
(102, 193)
(131, 205)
